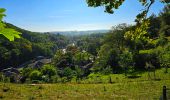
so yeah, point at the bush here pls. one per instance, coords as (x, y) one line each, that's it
(107, 70)
(79, 72)
(164, 57)
(49, 70)
(69, 73)
(35, 75)
(64, 79)
(54, 79)
(26, 71)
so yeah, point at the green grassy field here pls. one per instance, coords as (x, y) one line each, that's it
(122, 89)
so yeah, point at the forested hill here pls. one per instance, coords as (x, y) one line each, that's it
(29, 46)
(80, 33)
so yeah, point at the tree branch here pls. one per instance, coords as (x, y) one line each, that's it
(147, 9)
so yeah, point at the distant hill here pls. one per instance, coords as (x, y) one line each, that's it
(74, 33)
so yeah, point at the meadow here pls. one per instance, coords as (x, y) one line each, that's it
(122, 88)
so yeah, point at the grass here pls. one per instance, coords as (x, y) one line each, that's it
(122, 89)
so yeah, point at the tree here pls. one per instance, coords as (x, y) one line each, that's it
(155, 24)
(59, 55)
(107, 57)
(165, 23)
(9, 33)
(139, 34)
(110, 5)
(116, 36)
(126, 61)
(82, 58)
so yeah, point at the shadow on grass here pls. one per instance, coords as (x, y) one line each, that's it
(133, 77)
(158, 79)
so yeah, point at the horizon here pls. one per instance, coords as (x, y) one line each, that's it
(52, 16)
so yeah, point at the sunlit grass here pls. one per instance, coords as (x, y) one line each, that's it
(122, 89)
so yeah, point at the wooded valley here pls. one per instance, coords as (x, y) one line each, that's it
(127, 55)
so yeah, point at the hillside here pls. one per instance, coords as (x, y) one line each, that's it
(29, 46)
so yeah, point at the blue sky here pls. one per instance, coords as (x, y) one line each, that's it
(66, 15)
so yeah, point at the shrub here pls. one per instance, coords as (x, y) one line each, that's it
(79, 72)
(164, 57)
(25, 72)
(49, 70)
(54, 79)
(35, 75)
(69, 73)
(107, 70)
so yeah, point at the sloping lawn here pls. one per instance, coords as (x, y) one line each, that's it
(122, 89)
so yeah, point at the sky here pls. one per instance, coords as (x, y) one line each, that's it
(69, 15)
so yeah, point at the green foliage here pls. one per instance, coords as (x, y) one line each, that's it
(109, 5)
(108, 70)
(165, 23)
(82, 58)
(103, 58)
(49, 70)
(126, 61)
(125, 48)
(59, 55)
(123, 88)
(69, 73)
(162, 40)
(79, 72)
(10, 34)
(35, 75)
(28, 47)
(164, 57)
(116, 37)
(145, 56)
(139, 34)
(63, 58)
(146, 51)
(2, 10)
(25, 72)
(90, 43)
(108, 55)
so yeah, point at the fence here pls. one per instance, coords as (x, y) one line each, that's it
(165, 93)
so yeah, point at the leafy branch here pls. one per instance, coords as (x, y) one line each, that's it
(10, 34)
